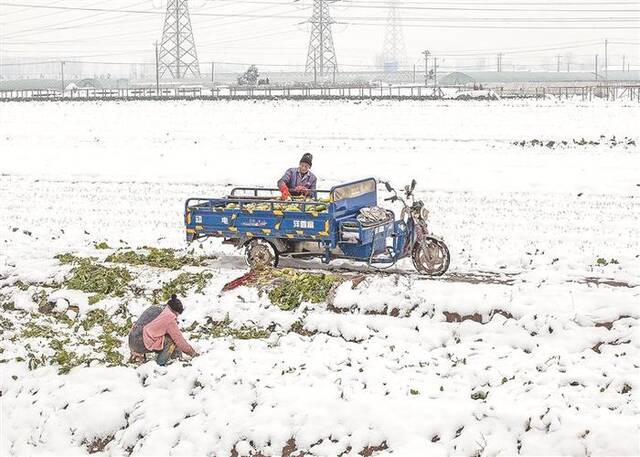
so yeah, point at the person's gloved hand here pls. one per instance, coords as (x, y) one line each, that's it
(284, 192)
(302, 190)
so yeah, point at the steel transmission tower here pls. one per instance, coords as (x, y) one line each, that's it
(394, 51)
(178, 57)
(321, 58)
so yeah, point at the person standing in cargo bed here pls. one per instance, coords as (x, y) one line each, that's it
(298, 181)
(157, 331)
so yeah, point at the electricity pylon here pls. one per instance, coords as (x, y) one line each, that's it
(178, 57)
(321, 58)
(394, 50)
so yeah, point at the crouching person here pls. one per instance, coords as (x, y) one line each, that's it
(157, 331)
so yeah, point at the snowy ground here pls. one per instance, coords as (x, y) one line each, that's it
(529, 345)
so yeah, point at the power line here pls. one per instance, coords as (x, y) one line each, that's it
(113, 10)
(506, 2)
(363, 20)
(407, 22)
(247, 63)
(505, 6)
(455, 56)
(404, 2)
(118, 20)
(504, 27)
(510, 9)
(50, 27)
(493, 22)
(54, 13)
(521, 50)
(5, 14)
(138, 33)
(247, 37)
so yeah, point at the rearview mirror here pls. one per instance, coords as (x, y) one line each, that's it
(413, 184)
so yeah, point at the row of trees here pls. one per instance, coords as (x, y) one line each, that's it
(251, 77)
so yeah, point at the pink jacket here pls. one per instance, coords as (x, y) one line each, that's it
(165, 324)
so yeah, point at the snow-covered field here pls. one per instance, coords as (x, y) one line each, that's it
(528, 346)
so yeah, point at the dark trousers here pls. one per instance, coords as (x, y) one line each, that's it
(168, 351)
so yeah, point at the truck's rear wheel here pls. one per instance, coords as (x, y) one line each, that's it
(261, 254)
(431, 257)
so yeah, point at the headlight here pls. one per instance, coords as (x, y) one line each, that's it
(424, 213)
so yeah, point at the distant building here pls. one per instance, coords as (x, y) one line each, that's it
(391, 67)
(43, 84)
(497, 77)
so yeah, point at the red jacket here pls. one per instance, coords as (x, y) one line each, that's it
(165, 324)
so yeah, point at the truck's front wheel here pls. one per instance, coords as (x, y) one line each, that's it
(431, 256)
(261, 254)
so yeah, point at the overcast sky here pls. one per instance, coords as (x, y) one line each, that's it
(276, 32)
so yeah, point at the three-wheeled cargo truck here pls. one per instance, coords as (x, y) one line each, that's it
(344, 222)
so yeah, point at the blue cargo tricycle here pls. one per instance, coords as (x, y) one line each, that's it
(342, 223)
